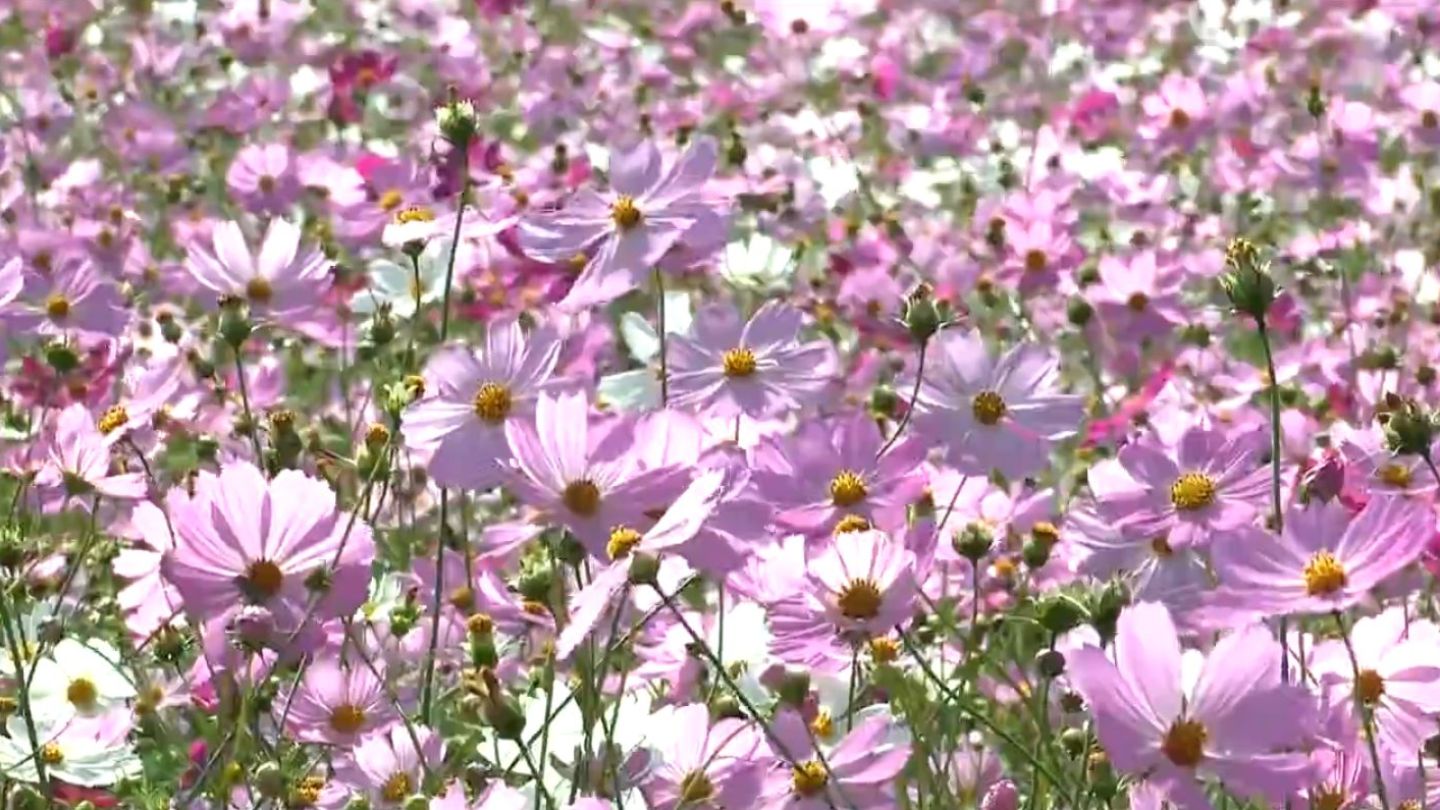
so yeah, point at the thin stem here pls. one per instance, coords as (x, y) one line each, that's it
(454, 244)
(854, 683)
(540, 792)
(427, 691)
(660, 328)
(1276, 510)
(18, 664)
(740, 695)
(250, 424)
(910, 407)
(1365, 715)
(979, 718)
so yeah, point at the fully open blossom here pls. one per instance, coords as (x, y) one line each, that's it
(283, 278)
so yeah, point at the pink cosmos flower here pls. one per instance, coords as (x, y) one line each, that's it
(1154, 569)
(283, 279)
(74, 298)
(1228, 723)
(263, 178)
(826, 471)
(336, 704)
(352, 76)
(1399, 678)
(1422, 100)
(1369, 467)
(992, 414)
(1324, 561)
(79, 461)
(651, 208)
(759, 368)
(278, 544)
(1038, 255)
(1137, 298)
(386, 768)
(580, 476)
(1210, 482)
(863, 766)
(472, 396)
(865, 580)
(1176, 113)
(699, 763)
(148, 600)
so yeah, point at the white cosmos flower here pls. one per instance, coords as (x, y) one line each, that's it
(90, 752)
(394, 283)
(27, 636)
(639, 389)
(759, 263)
(84, 676)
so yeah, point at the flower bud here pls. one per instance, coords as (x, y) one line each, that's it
(1003, 795)
(794, 688)
(458, 122)
(269, 780)
(1074, 741)
(644, 568)
(62, 358)
(1061, 614)
(1247, 282)
(973, 542)
(922, 314)
(235, 326)
(1409, 429)
(1078, 311)
(1035, 554)
(1050, 664)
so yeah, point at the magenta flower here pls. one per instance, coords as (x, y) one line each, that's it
(1137, 298)
(701, 764)
(863, 769)
(759, 368)
(278, 544)
(79, 461)
(263, 178)
(1399, 678)
(865, 580)
(472, 396)
(1325, 561)
(282, 279)
(580, 478)
(992, 414)
(650, 209)
(826, 471)
(336, 704)
(1227, 724)
(1210, 482)
(352, 76)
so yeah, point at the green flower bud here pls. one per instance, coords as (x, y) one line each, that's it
(235, 326)
(973, 542)
(1050, 664)
(1060, 614)
(1074, 741)
(1079, 311)
(1247, 282)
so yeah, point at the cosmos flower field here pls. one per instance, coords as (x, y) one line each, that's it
(804, 404)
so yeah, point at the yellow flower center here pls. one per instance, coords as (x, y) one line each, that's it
(50, 754)
(397, 787)
(696, 787)
(1045, 532)
(622, 539)
(347, 719)
(884, 649)
(307, 793)
(391, 200)
(493, 402)
(847, 488)
(57, 306)
(462, 598)
(414, 213)
(1036, 261)
(1369, 686)
(1396, 475)
(808, 778)
(82, 693)
(1184, 743)
(988, 408)
(1192, 491)
(860, 599)
(738, 362)
(625, 214)
(264, 578)
(1138, 301)
(258, 290)
(1328, 797)
(581, 497)
(852, 523)
(823, 725)
(1324, 574)
(113, 419)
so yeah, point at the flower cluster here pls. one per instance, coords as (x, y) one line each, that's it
(785, 404)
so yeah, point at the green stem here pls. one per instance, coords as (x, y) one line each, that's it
(17, 661)
(1367, 718)
(854, 683)
(1277, 511)
(250, 424)
(980, 718)
(909, 408)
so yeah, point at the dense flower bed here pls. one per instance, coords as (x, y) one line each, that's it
(444, 404)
